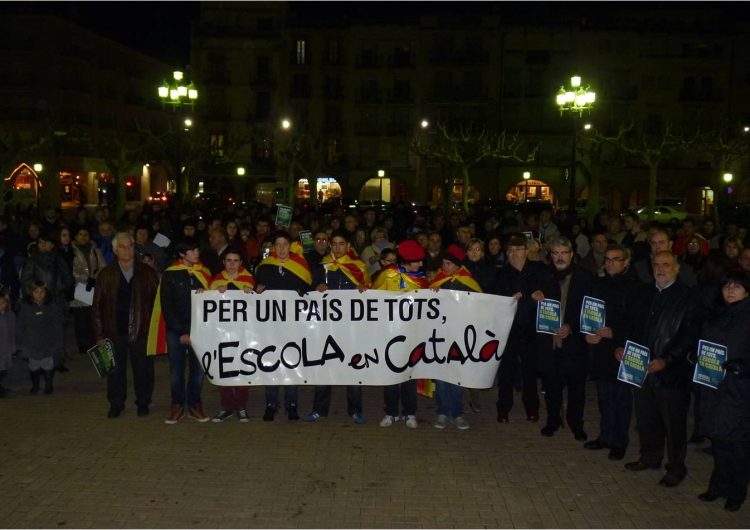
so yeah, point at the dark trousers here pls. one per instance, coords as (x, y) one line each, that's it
(233, 398)
(406, 393)
(661, 416)
(615, 400)
(518, 350)
(731, 469)
(558, 371)
(180, 356)
(82, 326)
(322, 400)
(290, 396)
(143, 373)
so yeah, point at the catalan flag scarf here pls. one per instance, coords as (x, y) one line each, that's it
(296, 264)
(243, 279)
(463, 276)
(351, 265)
(394, 278)
(157, 332)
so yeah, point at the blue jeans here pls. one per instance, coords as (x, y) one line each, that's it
(178, 355)
(272, 396)
(449, 399)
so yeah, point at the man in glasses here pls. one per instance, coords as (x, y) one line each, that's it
(562, 357)
(319, 251)
(620, 292)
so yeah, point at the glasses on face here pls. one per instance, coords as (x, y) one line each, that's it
(558, 253)
(322, 240)
(613, 260)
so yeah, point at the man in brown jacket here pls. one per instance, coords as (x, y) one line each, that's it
(123, 299)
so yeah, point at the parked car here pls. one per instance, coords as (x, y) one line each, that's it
(662, 214)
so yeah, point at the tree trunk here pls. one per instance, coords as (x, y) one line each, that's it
(120, 200)
(653, 171)
(594, 193)
(465, 189)
(50, 177)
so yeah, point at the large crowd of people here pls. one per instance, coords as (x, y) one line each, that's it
(664, 287)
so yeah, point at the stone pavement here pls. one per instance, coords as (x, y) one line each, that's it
(64, 464)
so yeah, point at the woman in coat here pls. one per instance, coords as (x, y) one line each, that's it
(725, 411)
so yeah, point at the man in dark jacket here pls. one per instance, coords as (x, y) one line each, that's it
(659, 241)
(619, 291)
(518, 278)
(668, 326)
(563, 359)
(123, 300)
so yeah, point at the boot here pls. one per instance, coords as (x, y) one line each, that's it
(3, 390)
(35, 375)
(48, 376)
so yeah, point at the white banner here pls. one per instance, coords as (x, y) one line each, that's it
(350, 338)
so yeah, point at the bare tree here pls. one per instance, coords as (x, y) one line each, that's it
(598, 152)
(726, 145)
(462, 149)
(303, 155)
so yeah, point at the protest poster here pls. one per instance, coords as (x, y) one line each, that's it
(708, 370)
(83, 295)
(548, 317)
(593, 315)
(349, 338)
(307, 241)
(103, 358)
(283, 215)
(634, 362)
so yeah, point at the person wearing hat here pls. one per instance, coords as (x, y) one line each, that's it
(454, 276)
(170, 330)
(50, 267)
(405, 276)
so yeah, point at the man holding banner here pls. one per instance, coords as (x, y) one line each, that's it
(282, 270)
(619, 290)
(339, 269)
(667, 324)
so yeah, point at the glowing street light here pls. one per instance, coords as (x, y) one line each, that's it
(424, 124)
(381, 174)
(286, 124)
(241, 171)
(526, 177)
(727, 177)
(38, 167)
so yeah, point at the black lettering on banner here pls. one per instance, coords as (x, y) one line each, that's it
(390, 302)
(206, 363)
(470, 340)
(248, 362)
(291, 346)
(260, 354)
(267, 309)
(372, 310)
(227, 359)
(357, 309)
(331, 351)
(300, 306)
(490, 349)
(434, 305)
(435, 340)
(209, 306)
(405, 316)
(358, 361)
(388, 362)
(313, 312)
(335, 309)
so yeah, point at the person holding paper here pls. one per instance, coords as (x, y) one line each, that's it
(340, 269)
(667, 324)
(123, 301)
(620, 293)
(87, 262)
(563, 359)
(282, 270)
(725, 411)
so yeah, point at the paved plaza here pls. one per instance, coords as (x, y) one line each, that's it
(64, 464)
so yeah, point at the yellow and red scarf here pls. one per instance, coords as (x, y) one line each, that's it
(296, 264)
(463, 276)
(352, 266)
(157, 331)
(393, 278)
(243, 279)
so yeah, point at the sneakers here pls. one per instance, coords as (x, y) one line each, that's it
(242, 415)
(461, 423)
(411, 422)
(291, 413)
(441, 422)
(387, 421)
(358, 418)
(176, 414)
(196, 412)
(222, 416)
(313, 416)
(269, 413)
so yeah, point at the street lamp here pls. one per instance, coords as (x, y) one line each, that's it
(38, 167)
(240, 171)
(381, 174)
(286, 124)
(574, 99)
(526, 177)
(178, 95)
(424, 124)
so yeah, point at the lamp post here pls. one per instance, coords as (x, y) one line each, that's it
(727, 178)
(381, 174)
(575, 99)
(178, 95)
(286, 127)
(526, 177)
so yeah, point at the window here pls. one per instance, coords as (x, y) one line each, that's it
(301, 52)
(216, 145)
(264, 149)
(334, 52)
(262, 105)
(263, 67)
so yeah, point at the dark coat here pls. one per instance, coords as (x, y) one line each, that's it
(526, 281)
(103, 311)
(50, 268)
(668, 323)
(174, 291)
(622, 295)
(484, 274)
(725, 412)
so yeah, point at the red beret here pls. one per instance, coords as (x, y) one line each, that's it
(410, 250)
(455, 254)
